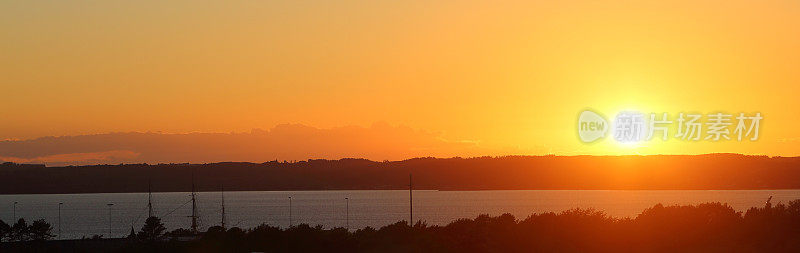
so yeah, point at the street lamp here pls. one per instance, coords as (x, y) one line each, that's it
(14, 212)
(59, 219)
(347, 213)
(290, 212)
(109, 219)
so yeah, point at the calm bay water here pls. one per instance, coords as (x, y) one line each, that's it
(88, 214)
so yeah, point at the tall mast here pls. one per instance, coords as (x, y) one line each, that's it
(194, 207)
(149, 199)
(222, 192)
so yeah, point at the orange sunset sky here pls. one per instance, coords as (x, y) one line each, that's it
(400, 78)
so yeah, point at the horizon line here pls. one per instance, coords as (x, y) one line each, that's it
(390, 161)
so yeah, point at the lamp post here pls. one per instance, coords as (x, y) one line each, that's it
(410, 202)
(59, 219)
(14, 212)
(347, 213)
(109, 219)
(290, 212)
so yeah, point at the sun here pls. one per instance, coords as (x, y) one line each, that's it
(629, 130)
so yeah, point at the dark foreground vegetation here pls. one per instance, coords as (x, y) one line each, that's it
(658, 172)
(709, 227)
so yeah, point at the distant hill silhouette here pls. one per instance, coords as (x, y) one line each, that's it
(713, 171)
(380, 141)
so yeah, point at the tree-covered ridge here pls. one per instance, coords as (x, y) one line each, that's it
(660, 172)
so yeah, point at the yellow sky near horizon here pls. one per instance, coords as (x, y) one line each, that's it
(509, 75)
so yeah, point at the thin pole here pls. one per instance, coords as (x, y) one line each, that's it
(109, 219)
(149, 199)
(347, 213)
(14, 212)
(59, 219)
(410, 201)
(222, 192)
(290, 212)
(194, 207)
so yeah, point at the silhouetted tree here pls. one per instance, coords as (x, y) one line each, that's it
(19, 231)
(5, 230)
(153, 230)
(40, 230)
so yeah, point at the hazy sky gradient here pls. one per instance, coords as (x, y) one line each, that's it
(510, 76)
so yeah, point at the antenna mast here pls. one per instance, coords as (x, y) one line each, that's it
(149, 199)
(222, 192)
(194, 207)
